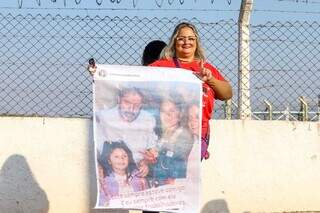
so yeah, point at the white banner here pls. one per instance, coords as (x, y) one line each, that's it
(146, 134)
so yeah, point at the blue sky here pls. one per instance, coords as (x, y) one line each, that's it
(205, 10)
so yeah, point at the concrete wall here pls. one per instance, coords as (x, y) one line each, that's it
(49, 158)
(263, 166)
(46, 165)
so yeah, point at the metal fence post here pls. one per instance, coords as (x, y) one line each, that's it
(268, 109)
(303, 114)
(228, 109)
(244, 107)
(286, 114)
(318, 108)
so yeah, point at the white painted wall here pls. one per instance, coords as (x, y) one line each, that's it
(46, 165)
(55, 154)
(264, 166)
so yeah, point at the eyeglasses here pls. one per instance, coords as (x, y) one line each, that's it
(182, 39)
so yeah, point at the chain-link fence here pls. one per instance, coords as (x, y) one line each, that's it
(43, 60)
(285, 67)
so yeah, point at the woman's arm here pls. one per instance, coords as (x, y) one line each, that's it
(222, 89)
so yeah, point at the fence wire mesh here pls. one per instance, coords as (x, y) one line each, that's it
(284, 67)
(43, 60)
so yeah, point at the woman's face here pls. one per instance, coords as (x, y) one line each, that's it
(169, 115)
(186, 43)
(193, 120)
(119, 160)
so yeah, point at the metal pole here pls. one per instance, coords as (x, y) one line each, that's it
(319, 108)
(287, 114)
(228, 109)
(268, 109)
(244, 107)
(303, 109)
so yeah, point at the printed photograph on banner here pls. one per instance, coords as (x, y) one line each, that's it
(146, 137)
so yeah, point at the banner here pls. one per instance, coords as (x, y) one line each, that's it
(146, 135)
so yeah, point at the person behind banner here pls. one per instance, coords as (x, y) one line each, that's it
(184, 51)
(152, 51)
(127, 121)
(120, 172)
(174, 144)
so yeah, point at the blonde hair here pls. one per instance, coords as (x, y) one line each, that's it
(169, 51)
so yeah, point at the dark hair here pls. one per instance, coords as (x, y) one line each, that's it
(108, 148)
(174, 98)
(152, 52)
(100, 162)
(177, 100)
(126, 90)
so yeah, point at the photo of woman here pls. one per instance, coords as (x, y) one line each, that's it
(175, 142)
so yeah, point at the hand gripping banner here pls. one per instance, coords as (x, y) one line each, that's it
(146, 135)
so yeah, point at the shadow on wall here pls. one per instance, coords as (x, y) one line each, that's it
(19, 191)
(216, 206)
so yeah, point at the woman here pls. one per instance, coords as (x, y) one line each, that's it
(184, 51)
(174, 145)
(193, 120)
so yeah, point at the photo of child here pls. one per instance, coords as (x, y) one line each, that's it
(119, 172)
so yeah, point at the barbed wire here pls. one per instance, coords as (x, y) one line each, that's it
(301, 1)
(288, 11)
(163, 9)
(124, 9)
(159, 3)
